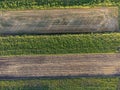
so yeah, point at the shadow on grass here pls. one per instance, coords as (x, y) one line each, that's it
(56, 77)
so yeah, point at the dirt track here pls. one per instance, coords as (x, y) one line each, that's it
(60, 65)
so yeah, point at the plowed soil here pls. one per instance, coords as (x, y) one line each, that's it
(60, 65)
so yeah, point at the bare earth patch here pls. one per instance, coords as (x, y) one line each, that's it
(59, 21)
(60, 65)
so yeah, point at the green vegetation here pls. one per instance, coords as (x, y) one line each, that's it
(110, 83)
(43, 4)
(60, 44)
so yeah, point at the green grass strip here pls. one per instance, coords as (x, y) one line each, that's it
(60, 44)
(103, 83)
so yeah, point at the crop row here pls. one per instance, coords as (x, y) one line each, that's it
(60, 44)
(24, 4)
(110, 83)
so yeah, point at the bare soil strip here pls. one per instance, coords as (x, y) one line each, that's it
(59, 21)
(60, 65)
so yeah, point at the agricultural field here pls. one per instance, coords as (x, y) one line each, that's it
(47, 4)
(94, 83)
(60, 44)
(60, 66)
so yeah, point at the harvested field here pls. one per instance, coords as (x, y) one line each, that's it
(59, 21)
(60, 65)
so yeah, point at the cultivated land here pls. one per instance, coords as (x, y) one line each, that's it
(101, 83)
(59, 21)
(60, 65)
(50, 4)
(24, 45)
(60, 44)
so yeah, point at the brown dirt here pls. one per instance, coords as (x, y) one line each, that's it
(60, 65)
(59, 21)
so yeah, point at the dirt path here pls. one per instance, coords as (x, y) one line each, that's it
(60, 65)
